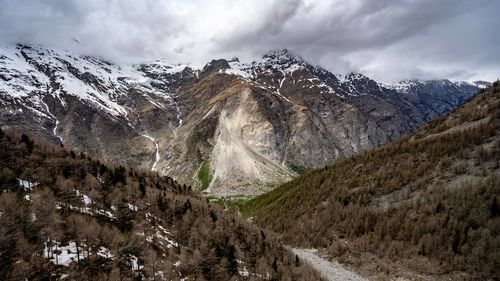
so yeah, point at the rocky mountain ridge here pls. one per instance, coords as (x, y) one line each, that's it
(231, 127)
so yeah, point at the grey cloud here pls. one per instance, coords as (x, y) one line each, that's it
(387, 39)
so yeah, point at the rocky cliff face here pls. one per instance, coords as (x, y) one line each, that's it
(231, 127)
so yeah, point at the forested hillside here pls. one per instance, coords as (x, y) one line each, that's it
(427, 204)
(65, 216)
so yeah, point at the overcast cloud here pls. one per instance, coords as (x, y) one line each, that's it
(385, 39)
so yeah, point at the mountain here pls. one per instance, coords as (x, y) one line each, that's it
(426, 207)
(66, 216)
(229, 128)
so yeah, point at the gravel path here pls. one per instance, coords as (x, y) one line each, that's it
(332, 271)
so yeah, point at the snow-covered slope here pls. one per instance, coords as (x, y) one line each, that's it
(57, 94)
(29, 69)
(414, 86)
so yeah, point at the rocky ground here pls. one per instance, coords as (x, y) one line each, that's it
(332, 271)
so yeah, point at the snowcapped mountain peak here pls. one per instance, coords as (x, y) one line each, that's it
(161, 70)
(403, 86)
(355, 76)
(277, 53)
(481, 84)
(282, 61)
(283, 56)
(352, 78)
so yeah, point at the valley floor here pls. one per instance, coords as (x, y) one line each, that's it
(331, 271)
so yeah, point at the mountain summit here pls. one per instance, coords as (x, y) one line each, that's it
(282, 56)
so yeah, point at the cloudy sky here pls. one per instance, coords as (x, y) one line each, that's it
(385, 39)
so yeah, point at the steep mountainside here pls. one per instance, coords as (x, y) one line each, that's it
(231, 127)
(425, 207)
(66, 216)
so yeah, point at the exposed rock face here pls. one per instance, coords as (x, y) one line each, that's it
(254, 124)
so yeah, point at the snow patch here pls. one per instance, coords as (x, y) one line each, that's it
(157, 152)
(66, 254)
(134, 263)
(27, 185)
(281, 85)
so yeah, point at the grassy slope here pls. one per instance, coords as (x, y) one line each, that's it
(434, 194)
(204, 175)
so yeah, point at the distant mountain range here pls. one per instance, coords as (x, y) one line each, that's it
(230, 128)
